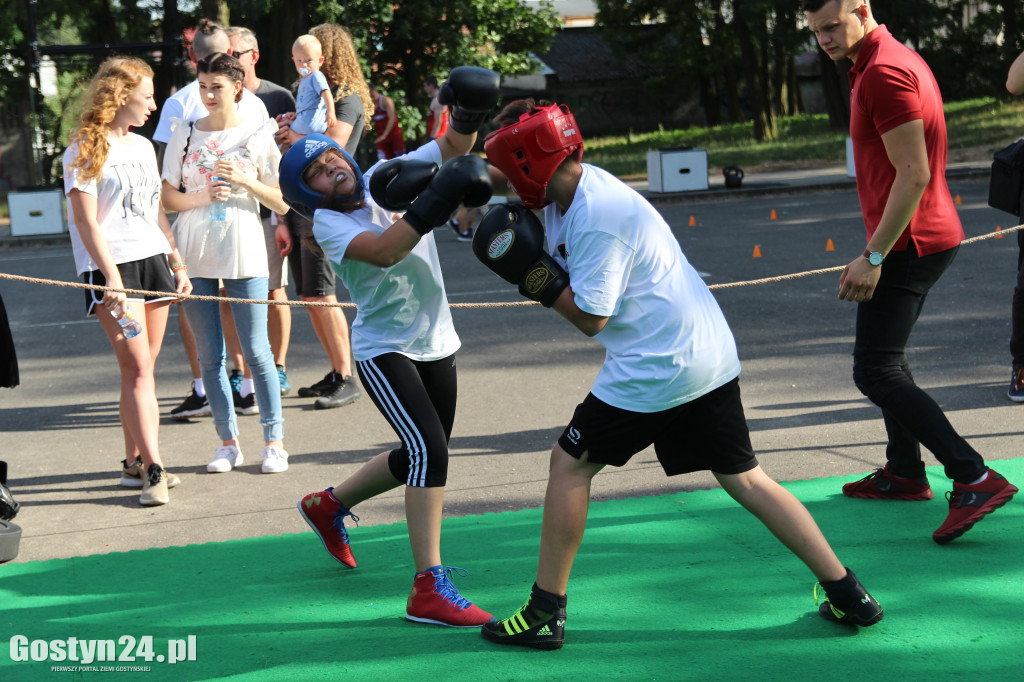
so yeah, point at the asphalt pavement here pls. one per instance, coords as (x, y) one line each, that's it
(522, 370)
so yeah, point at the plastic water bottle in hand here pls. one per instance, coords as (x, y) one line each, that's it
(218, 209)
(130, 327)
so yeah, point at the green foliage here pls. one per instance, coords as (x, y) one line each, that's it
(973, 44)
(405, 42)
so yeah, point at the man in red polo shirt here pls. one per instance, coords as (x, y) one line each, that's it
(899, 148)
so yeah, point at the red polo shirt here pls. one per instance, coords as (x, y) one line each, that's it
(891, 85)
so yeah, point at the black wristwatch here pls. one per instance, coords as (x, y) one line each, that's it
(874, 257)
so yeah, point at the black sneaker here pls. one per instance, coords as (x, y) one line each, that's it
(8, 507)
(192, 406)
(1016, 390)
(846, 601)
(246, 405)
(320, 387)
(539, 624)
(343, 392)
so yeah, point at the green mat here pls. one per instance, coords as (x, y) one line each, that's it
(675, 587)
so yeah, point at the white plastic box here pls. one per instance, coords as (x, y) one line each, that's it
(37, 210)
(851, 168)
(677, 170)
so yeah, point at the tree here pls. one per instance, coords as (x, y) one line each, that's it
(716, 40)
(750, 18)
(403, 42)
(683, 43)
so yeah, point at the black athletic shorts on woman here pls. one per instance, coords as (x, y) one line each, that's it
(148, 274)
(706, 434)
(418, 400)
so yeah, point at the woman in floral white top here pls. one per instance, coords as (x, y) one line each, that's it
(244, 160)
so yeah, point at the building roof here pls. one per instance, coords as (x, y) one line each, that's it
(582, 55)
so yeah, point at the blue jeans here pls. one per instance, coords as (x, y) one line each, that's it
(251, 324)
(882, 373)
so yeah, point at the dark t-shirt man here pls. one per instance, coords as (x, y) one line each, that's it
(278, 100)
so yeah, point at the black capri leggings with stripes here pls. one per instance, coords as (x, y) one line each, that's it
(418, 400)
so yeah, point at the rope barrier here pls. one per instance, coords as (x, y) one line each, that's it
(510, 304)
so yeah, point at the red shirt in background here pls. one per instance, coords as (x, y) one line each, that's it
(891, 85)
(444, 123)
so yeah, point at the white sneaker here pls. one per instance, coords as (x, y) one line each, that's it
(275, 460)
(225, 458)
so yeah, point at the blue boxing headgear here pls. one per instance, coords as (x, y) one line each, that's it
(297, 194)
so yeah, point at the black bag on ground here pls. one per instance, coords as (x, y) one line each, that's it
(1007, 178)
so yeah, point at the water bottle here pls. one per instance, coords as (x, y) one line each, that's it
(130, 327)
(218, 209)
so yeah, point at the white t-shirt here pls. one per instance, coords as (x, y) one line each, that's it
(187, 104)
(667, 340)
(127, 202)
(401, 309)
(234, 249)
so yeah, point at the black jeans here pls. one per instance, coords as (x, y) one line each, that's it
(881, 371)
(1017, 311)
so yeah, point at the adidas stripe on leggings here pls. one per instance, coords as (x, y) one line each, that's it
(418, 400)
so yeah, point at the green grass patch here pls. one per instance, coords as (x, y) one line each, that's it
(988, 121)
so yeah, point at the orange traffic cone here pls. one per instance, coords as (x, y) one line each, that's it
(830, 246)
(693, 221)
(957, 200)
(773, 216)
(757, 251)
(999, 231)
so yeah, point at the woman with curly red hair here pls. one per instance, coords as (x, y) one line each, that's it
(121, 238)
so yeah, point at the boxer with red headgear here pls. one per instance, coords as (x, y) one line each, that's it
(670, 378)
(529, 151)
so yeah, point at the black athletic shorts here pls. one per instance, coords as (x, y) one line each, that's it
(149, 274)
(310, 268)
(706, 434)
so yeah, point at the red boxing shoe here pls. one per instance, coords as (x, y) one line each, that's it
(326, 517)
(434, 599)
(968, 504)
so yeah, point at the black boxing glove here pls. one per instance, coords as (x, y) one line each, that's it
(471, 92)
(463, 180)
(510, 241)
(395, 183)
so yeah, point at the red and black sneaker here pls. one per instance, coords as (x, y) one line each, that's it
(326, 517)
(968, 504)
(883, 485)
(434, 599)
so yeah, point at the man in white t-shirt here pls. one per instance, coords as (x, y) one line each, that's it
(187, 106)
(671, 373)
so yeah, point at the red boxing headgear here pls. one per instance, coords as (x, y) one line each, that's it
(530, 150)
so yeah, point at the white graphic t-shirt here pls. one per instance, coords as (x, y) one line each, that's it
(127, 202)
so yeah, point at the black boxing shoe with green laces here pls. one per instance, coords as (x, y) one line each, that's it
(539, 624)
(846, 601)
